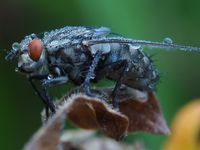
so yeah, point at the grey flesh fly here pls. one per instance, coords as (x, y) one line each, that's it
(84, 54)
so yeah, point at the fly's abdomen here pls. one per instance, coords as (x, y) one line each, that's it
(140, 73)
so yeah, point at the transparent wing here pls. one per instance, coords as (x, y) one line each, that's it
(162, 45)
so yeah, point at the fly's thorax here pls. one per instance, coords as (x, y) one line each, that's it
(69, 36)
(68, 61)
(69, 55)
(57, 44)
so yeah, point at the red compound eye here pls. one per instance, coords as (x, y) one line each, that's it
(35, 48)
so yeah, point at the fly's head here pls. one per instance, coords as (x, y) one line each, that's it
(30, 53)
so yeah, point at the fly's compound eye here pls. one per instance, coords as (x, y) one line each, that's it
(35, 48)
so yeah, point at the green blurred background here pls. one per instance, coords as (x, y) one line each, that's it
(139, 19)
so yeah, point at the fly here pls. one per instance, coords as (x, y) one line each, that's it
(85, 54)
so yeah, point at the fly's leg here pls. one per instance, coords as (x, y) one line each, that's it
(44, 98)
(118, 67)
(42, 94)
(124, 64)
(55, 81)
(90, 75)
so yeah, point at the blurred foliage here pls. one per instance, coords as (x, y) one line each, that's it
(140, 19)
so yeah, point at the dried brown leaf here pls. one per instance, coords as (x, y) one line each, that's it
(144, 116)
(139, 111)
(142, 110)
(92, 113)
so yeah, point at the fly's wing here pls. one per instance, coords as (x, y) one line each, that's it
(167, 44)
(102, 31)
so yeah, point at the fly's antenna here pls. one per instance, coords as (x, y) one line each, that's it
(166, 44)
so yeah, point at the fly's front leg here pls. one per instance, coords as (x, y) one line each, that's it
(55, 81)
(42, 94)
(90, 75)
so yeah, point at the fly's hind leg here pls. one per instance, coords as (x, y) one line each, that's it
(124, 65)
(119, 69)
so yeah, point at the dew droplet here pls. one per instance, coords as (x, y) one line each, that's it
(16, 69)
(151, 86)
(49, 77)
(15, 46)
(168, 40)
(46, 33)
(92, 76)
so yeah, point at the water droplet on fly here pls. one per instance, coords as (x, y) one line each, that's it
(16, 69)
(92, 76)
(49, 77)
(168, 40)
(46, 33)
(151, 86)
(15, 46)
